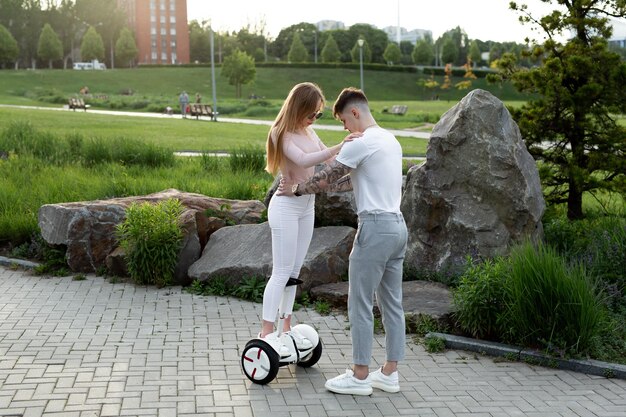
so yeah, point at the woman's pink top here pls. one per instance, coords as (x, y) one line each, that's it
(302, 151)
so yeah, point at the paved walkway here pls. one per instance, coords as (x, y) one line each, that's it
(95, 348)
(319, 126)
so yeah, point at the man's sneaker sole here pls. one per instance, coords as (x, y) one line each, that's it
(366, 390)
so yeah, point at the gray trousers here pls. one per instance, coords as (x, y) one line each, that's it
(376, 269)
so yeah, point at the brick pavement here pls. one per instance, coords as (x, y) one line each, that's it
(94, 348)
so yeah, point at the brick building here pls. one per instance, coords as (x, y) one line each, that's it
(160, 28)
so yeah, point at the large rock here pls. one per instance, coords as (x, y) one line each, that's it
(478, 191)
(87, 229)
(237, 252)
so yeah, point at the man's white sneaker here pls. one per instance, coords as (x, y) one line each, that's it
(348, 384)
(283, 351)
(386, 383)
(302, 343)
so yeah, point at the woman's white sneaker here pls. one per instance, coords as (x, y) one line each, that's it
(348, 384)
(386, 383)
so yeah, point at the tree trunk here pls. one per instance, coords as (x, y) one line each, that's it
(574, 203)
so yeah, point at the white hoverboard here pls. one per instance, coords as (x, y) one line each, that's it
(261, 359)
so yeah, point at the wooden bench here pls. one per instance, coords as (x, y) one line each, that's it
(77, 103)
(399, 109)
(198, 110)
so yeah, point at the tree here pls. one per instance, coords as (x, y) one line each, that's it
(423, 53)
(449, 51)
(331, 52)
(392, 53)
(474, 52)
(355, 52)
(239, 68)
(199, 44)
(571, 128)
(92, 47)
(49, 47)
(375, 39)
(8, 47)
(297, 52)
(126, 48)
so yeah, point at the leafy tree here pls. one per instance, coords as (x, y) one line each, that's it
(423, 53)
(571, 126)
(355, 52)
(392, 53)
(474, 52)
(8, 46)
(239, 69)
(297, 52)
(126, 48)
(331, 52)
(449, 51)
(199, 44)
(284, 41)
(92, 46)
(49, 47)
(375, 39)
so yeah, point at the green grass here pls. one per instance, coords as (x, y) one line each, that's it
(175, 133)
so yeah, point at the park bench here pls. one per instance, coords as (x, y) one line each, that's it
(398, 109)
(198, 110)
(77, 103)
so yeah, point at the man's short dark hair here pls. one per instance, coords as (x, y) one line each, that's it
(349, 95)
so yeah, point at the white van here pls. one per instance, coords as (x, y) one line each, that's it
(93, 65)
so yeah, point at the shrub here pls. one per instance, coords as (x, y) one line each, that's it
(151, 237)
(551, 304)
(480, 298)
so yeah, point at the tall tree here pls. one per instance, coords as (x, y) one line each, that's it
(331, 52)
(126, 48)
(92, 46)
(297, 52)
(239, 69)
(8, 47)
(49, 47)
(199, 45)
(449, 51)
(474, 53)
(375, 39)
(355, 52)
(392, 54)
(571, 128)
(423, 53)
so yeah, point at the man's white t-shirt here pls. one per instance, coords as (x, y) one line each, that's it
(376, 162)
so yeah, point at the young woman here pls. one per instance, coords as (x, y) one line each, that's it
(293, 149)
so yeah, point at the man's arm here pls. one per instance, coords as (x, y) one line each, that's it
(321, 181)
(344, 184)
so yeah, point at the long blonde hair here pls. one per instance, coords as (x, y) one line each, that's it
(302, 101)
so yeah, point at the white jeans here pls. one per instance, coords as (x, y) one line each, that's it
(291, 220)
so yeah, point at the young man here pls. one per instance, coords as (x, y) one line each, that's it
(374, 162)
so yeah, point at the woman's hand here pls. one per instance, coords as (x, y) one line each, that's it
(284, 188)
(352, 136)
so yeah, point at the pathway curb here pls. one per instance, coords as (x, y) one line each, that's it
(533, 357)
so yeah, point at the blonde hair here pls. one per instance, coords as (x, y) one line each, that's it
(302, 101)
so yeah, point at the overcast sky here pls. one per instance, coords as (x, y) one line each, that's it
(481, 19)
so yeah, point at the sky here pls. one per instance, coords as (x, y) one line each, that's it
(481, 19)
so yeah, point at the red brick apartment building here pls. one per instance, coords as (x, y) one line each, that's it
(160, 28)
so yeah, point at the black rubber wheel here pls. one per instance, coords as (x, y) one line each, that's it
(312, 358)
(259, 362)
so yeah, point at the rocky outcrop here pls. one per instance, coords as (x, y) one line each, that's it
(478, 191)
(237, 252)
(87, 229)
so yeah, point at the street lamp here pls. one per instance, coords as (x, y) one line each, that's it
(361, 42)
(214, 117)
(315, 46)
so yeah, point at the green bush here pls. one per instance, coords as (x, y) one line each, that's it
(480, 298)
(551, 304)
(151, 237)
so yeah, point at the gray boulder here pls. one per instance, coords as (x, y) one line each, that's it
(478, 192)
(236, 252)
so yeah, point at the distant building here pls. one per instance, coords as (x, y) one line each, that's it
(324, 25)
(160, 28)
(412, 36)
(618, 38)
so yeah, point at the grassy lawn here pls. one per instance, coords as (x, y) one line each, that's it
(176, 133)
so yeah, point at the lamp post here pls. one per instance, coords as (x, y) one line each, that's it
(315, 46)
(213, 74)
(361, 42)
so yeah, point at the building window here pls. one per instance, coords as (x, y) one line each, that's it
(154, 56)
(152, 4)
(172, 19)
(162, 5)
(174, 57)
(173, 44)
(162, 19)
(153, 18)
(173, 31)
(163, 56)
(153, 31)
(172, 5)
(163, 32)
